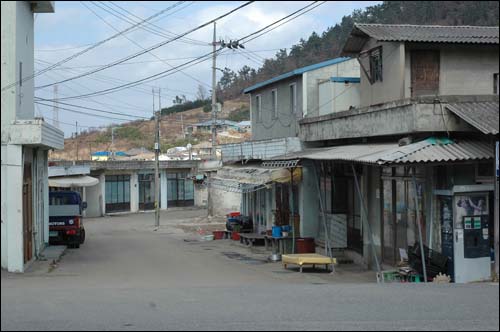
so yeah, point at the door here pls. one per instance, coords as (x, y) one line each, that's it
(424, 73)
(27, 213)
(146, 191)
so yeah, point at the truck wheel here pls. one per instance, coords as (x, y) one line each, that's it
(82, 236)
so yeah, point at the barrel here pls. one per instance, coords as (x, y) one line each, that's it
(305, 245)
(218, 235)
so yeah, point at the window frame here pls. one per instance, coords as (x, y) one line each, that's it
(375, 60)
(274, 102)
(258, 105)
(293, 98)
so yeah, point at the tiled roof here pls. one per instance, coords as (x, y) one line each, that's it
(420, 33)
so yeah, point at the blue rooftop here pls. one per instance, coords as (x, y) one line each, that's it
(107, 154)
(296, 72)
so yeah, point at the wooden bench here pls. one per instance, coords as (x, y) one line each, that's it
(250, 239)
(308, 259)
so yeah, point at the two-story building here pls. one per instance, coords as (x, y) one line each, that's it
(420, 145)
(25, 141)
(271, 194)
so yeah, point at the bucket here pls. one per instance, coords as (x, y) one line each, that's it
(235, 236)
(305, 245)
(218, 235)
(276, 231)
(233, 214)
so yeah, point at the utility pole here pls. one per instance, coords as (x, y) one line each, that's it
(77, 138)
(214, 97)
(182, 127)
(157, 162)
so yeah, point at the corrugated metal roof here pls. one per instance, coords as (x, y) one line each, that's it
(295, 72)
(431, 150)
(419, 33)
(481, 115)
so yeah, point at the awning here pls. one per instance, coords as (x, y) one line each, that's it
(73, 181)
(431, 150)
(481, 115)
(248, 179)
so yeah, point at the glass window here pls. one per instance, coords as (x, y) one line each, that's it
(258, 108)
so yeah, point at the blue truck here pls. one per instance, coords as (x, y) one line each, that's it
(65, 218)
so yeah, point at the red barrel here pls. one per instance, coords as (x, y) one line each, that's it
(235, 236)
(305, 245)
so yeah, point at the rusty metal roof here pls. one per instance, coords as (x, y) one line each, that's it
(419, 33)
(481, 115)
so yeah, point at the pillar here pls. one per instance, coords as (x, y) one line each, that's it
(134, 192)
(163, 189)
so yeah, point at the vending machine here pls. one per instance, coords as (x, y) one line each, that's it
(465, 218)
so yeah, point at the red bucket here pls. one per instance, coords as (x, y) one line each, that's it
(218, 235)
(235, 236)
(234, 214)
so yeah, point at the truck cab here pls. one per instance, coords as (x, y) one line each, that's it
(65, 218)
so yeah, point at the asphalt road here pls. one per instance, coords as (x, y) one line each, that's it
(129, 277)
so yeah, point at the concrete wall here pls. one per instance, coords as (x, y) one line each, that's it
(336, 97)
(200, 195)
(12, 211)
(463, 69)
(93, 197)
(134, 191)
(393, 75)
(285, 124)
(394, 118)
(223, 202)
(311, 79)
(372, 194)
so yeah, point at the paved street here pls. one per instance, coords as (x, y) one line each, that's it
(129, 277)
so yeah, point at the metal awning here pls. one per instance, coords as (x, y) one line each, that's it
(431, 150)
(248, 179)
(73, 181)
(481, 115)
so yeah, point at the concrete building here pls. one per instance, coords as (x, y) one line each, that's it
(128, 186)
(25, 140)
(206, 127)
(425, 129)
(276, 105)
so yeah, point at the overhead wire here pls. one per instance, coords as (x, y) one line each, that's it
(136, 43)
(90, 48)
(114, 63)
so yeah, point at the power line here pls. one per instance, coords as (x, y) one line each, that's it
(109, 65)
(90, 48)
(137, 44)
(292, 18)
(95, 109)
(84, 113)
(157, 29)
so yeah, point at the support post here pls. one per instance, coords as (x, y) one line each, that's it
(214, 97)
(157, 164)
(365, 219)
(328, 249)
(417, 207)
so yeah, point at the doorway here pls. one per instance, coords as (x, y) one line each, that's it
(27, 213)
(146, 191)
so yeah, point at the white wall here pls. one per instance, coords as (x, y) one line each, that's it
(12, 216)
(393, 74)
(163, 189)
(311, 79)
(223, 202)
(134, 192)
(336, 97)
(200, 195)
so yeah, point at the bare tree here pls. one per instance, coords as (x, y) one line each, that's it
(201, 93)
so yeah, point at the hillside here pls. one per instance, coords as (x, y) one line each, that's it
(328, 44)
(139, 134)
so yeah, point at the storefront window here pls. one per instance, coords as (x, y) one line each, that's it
(117, 193)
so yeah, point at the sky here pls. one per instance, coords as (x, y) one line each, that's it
(76, 25)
